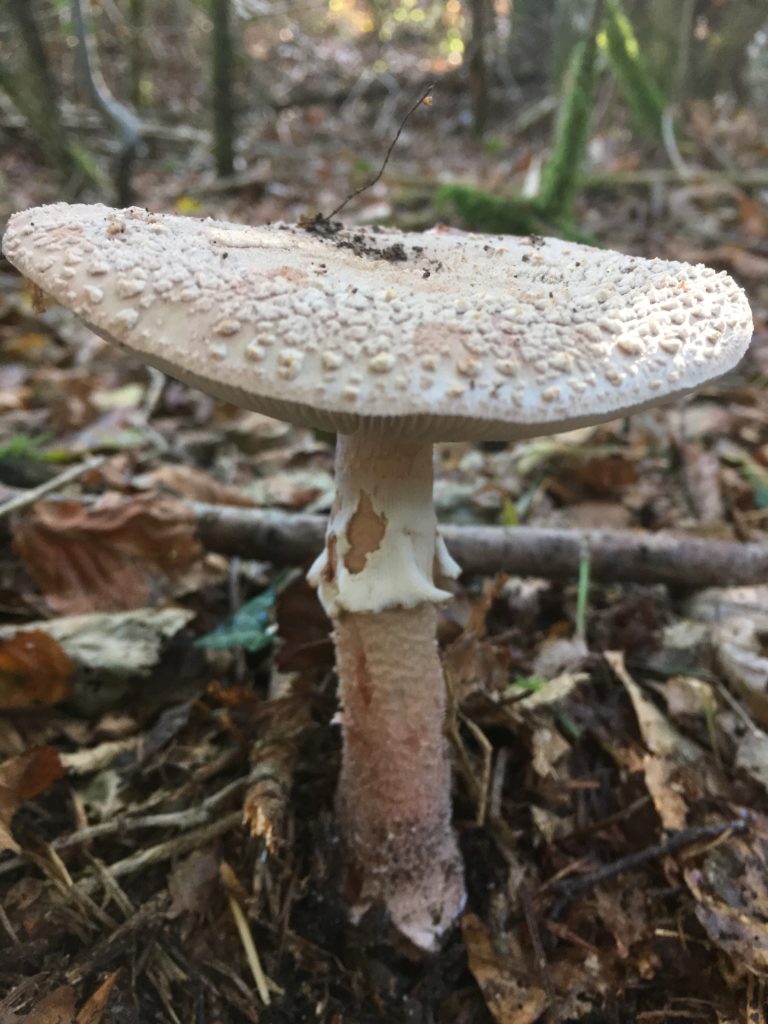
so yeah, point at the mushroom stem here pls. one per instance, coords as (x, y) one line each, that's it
(375, 579)
(394, 789)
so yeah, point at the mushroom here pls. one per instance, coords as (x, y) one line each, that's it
(394, 341)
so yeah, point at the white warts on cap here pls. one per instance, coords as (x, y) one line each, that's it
(439, 335)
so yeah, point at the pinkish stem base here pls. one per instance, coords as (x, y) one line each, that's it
(394, 790)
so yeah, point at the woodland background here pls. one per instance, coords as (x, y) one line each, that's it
(167, 752)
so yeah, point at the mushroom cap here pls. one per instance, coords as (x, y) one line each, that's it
(434, 336)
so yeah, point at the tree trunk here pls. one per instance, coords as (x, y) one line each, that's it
(39, 106)
(717, 37)
(120, 118)
(719, 57)
(477, 63)
(136, 17)
(531, 40)
(223, 106)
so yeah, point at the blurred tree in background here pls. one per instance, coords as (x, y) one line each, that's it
(228, 75)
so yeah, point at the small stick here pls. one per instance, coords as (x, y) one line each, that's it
(538, 947)
(251, 953)
(625, 812)
(567, 888)
(497, 783)
(484, 785)
(677, 560)
(685, 562)
(364, 188)
(35, 493)
(8, 927)
(175, 847)
(188, 818)
(583, 591)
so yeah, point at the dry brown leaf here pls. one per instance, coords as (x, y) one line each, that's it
(548, 749)
(22, 778)
(601, 474)
(662, 784)
(114, 644)
(34, 669)
(253, 432)
(475, 666)
(196, 485)
(753, 217)
(669, 750)
(597, 514)
(659, 734)
(731, 893)
(93, 1010)
(121, 553)
(509, 994)
(740, 261)
(622, 906)
(58, 1007)
(192, 882)
(740, 654)
(702, 481)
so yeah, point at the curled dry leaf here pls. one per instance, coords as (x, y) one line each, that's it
(731, 892)
(666, 791)
(34, 669)
(734, 258)
(121, 553)
(752, 753)
(195, 485)
(192, 882)
(735, 620)
(58, 1007)
(669, 752)
(93, 1010)
(701, 469)
(509, 993)
(21, 778)
(115, 644)
(658, 733)
(743, 662)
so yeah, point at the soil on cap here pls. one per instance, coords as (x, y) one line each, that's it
(359, 243)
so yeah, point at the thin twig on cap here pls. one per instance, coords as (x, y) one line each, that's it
(364, 188)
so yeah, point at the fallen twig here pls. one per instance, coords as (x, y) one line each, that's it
(175, 847)
(616, 556)
(534, 932)
(186, 818)
(567, 888)
(650, 177)
(251, 953)
(287, 538)
(29, 497)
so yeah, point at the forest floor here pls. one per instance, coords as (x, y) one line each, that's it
(610, 789)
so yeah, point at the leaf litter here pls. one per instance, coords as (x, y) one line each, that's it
(167, 808)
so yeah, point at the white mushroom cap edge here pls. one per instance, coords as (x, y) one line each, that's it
(418, 337)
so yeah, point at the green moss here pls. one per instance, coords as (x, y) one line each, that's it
(638, 86)
(560, 174)
(483, 211)
(551, 211)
